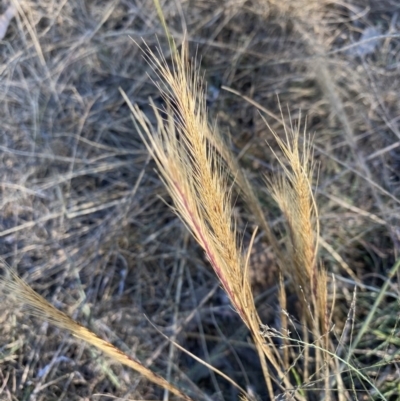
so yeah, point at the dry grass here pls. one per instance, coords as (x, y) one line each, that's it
(25, 296)
(84, 218)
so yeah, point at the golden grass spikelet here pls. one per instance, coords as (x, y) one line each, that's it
(295, 197)
(23, 295)
(194, 174)
(196, 177)
(246, 189)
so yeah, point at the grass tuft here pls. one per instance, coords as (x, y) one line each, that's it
(287, 288)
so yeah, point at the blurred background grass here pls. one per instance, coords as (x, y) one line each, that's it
(82, 213)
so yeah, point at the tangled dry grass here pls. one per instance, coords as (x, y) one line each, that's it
(305, 308)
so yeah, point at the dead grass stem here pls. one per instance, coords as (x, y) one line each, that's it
(23, 295)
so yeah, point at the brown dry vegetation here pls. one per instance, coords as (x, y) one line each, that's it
(86, 220)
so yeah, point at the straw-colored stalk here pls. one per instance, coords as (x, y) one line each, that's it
(23, 295)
